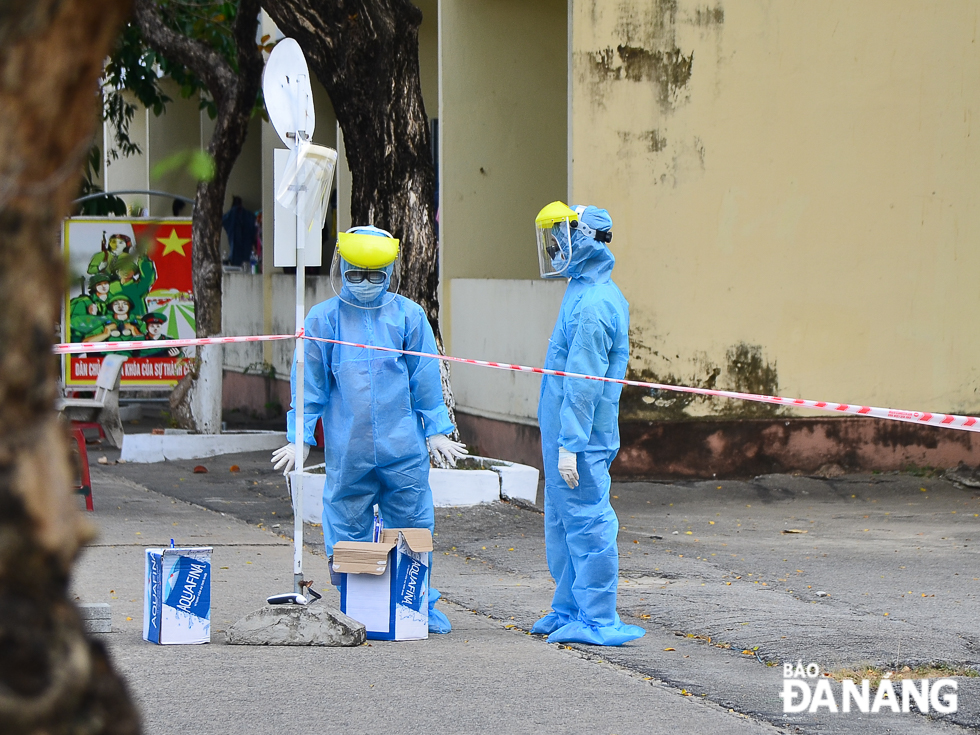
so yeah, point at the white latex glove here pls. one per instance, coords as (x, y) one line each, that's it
(284, 458)
(446, 449)
(568, 467)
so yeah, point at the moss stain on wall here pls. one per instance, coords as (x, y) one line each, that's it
(647, 52)
(708, 16)
(746, 370)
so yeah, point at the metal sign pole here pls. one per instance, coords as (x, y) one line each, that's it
(300, 431)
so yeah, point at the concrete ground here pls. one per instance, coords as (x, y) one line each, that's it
(730, 579)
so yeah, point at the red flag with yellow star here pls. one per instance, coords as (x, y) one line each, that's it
(169, 246)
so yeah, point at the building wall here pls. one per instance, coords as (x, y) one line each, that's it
(177, 129)
(793, 187)
(503, 121)
(429, 54)
(245, 179)
(242, 313)
(181, 127)
(127, 172)
(501, 321)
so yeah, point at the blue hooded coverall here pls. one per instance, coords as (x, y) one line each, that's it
(377, 410)
(591, 336)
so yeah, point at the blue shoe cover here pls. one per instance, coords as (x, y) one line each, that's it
(438, 622)
(548, 624)
(607, 635)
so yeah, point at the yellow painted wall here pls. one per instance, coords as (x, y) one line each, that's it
(127, 172)
(181, 127)
(809, 192)
(503, 116)
(177, 129)
(429, 54)
(245, 179)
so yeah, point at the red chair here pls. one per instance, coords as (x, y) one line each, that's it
(103, 408)
(90, 425)
(84, 484)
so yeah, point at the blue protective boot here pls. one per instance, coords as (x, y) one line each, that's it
(606, 635)
(438, 622)
(548, 624)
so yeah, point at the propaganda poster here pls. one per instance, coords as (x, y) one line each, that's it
(129, 280)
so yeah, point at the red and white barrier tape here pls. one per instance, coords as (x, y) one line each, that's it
(74, 348)
(942, 420)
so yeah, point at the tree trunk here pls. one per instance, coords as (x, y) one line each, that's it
(366, 55)
(53, 679)
(196, 402)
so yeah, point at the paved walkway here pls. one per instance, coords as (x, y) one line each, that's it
(725, 594)
(482, 678)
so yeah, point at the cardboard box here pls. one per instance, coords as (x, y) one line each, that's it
(385, 585)
(177, 596)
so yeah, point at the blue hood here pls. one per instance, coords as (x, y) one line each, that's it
(592, 261)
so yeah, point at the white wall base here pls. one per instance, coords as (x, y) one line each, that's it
(161, 447)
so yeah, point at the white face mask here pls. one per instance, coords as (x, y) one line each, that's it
(365, 291)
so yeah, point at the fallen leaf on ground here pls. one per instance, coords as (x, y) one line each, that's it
(793, 530)
(234, 468)
(200, 469)
(670, 649)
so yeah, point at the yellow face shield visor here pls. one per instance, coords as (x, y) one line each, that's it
(367, 251)
(553, 234)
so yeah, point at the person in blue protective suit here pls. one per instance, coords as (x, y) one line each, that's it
(382, 411)
(579, 422)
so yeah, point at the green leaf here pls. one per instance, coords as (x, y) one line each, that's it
(196, 162)
(201, 165)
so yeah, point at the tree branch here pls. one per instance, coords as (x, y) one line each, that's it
(206, 63)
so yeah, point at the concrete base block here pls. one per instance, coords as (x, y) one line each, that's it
(96, 616)
(518, 481)
(459, 488)
(477, 480)
(296, 625)
(312, 492)
(161, 447)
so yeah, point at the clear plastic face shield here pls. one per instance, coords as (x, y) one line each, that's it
(553, 230)
(364, 287)
(554, 249)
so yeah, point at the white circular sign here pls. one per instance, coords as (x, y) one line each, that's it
(287, 91)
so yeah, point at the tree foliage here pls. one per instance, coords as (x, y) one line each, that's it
(135, 71)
